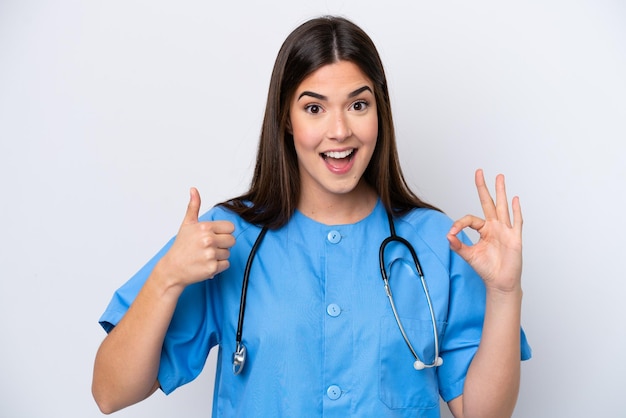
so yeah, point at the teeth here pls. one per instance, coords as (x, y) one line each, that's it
(338, 154)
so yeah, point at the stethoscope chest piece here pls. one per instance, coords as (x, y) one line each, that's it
(239, 358)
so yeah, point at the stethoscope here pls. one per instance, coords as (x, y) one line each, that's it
(240, 354)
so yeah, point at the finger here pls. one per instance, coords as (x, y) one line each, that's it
(502, 203)
(223, 241)
(222, 227)
(459, 247)
(218, 234)
(455, 242)
(216, 268)
(193, 208)
(468, 221)
(486, 202)
(222, 265)
(517, 215)
(222, 254)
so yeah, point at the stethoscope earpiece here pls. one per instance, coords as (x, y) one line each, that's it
(419, 365)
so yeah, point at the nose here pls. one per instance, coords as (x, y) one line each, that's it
(339, 128)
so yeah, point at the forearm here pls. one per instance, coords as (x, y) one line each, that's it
(492, 383)
(127, 362)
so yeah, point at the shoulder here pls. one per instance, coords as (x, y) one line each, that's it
(429, 222)
(426, 221)
(427, 229)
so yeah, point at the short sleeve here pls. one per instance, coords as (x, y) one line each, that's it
(125, 295)
(191, 333)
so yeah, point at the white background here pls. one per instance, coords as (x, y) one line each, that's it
(111, 110)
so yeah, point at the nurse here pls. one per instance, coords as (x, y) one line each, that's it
(320, 333)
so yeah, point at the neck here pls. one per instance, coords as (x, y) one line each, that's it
(338, 209)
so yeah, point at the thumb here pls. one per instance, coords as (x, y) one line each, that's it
(193, 208)
(458, 247)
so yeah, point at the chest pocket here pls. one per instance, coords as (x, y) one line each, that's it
(400, 385)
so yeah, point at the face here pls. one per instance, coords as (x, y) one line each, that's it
(334, 124)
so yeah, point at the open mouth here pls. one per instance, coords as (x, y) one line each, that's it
(338, 159)
(338, 155)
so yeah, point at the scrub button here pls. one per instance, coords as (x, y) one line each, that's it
(334, 237)
(333, 309)
(333, 392)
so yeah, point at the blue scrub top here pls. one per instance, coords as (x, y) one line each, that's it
(320, 333)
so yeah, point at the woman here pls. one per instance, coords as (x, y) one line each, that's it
(320, 334)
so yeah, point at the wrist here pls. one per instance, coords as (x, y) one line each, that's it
(507, 296)
(164, 281)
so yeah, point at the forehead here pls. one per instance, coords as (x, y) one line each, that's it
(338, 75)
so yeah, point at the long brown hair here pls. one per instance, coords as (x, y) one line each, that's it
(275, 188)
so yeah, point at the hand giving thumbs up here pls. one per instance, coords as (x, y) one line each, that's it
(201, 249)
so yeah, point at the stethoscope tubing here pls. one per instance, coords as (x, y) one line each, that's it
(239, 356)
(244, 285)
(394, 238)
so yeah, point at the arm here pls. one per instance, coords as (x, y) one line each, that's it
(127, 362)
(492, 382)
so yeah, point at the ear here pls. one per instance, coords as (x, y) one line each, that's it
(288, 126)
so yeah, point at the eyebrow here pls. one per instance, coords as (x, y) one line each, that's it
(322, 97)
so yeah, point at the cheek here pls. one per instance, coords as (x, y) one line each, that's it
(370, 132)
(305, 135)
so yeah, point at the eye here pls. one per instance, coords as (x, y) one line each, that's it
(313, 109)
(360, 105)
